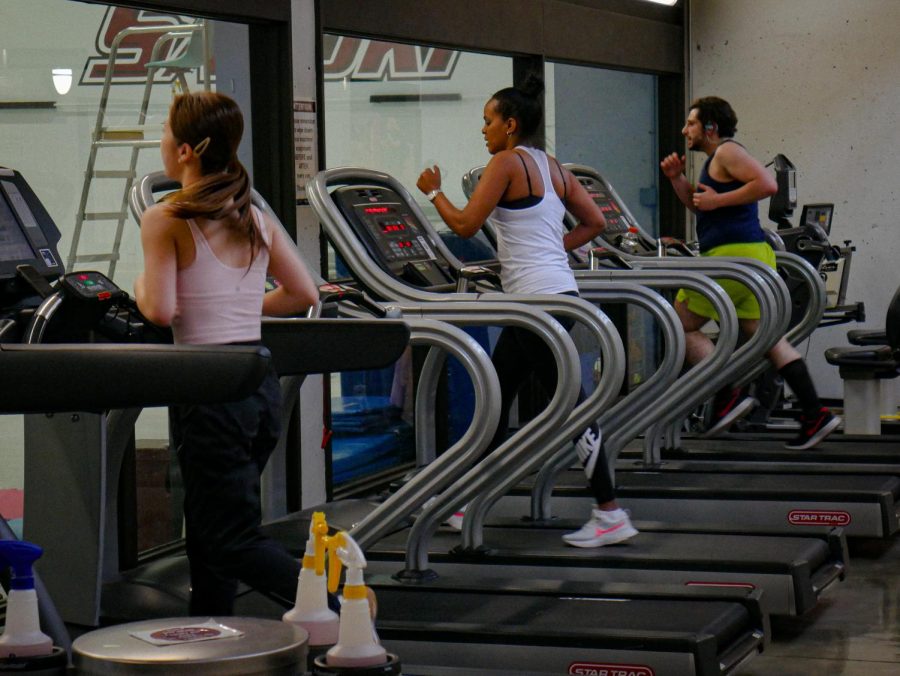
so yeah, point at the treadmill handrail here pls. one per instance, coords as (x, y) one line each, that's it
(594, 408)
(98, 377)
(699, 382)
(435, 476)
(746, 356)
(374, 278)
(621, 417)
(515, 451)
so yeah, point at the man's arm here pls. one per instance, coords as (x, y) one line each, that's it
(673, 168)
(734, 160)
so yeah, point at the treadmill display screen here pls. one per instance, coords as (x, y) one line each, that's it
(615, 220)
(14, 245)
(390, 224)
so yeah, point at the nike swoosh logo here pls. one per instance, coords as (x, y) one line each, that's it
(604, 531)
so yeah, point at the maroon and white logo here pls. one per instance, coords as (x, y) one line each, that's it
(592, 669)
(818, 517)
(358, 59)
(130, 66)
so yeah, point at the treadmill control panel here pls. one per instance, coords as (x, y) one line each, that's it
(616, 221)
(93, 287)
(392, 233)
(28, 237)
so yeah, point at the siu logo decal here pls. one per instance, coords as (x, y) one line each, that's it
(134, 52)
(818, 517)
(357, 59)
(591, 669)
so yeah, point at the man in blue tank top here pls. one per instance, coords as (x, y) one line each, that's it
(725, 203)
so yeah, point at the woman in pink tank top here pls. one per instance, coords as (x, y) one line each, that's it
(207, 231)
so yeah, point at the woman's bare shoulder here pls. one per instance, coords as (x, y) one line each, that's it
(160, 218)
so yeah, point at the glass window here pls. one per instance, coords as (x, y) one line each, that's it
(399, 108)
(79, 145)
(606, 119)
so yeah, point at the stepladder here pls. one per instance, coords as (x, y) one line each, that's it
(178, 51)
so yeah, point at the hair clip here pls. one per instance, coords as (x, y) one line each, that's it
(201, 147)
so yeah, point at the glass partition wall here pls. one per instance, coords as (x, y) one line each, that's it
(607, 120)
(399, 108)
(84, 91)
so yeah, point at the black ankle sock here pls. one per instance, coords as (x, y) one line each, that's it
(796, 375)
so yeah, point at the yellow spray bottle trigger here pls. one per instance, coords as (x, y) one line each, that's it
(318, 529)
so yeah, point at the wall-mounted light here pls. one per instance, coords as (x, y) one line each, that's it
(670, 3)
(62, 80)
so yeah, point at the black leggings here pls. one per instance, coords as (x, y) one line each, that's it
(519, 354)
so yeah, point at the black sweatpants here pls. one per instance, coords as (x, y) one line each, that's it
(222, 450)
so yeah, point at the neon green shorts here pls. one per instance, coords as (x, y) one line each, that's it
(744, 302)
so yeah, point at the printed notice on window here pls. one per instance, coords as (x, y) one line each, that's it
(305, 144)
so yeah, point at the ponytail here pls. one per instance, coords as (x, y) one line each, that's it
(523, 103)
(212, 125)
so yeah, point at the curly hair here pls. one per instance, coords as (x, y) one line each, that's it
(713, 110)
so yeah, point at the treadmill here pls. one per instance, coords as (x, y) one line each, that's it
(727, 627)
(865, 506)
(352, 204)
(855, 486)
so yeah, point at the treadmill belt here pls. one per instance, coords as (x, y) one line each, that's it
(689, 551)
(539, 620)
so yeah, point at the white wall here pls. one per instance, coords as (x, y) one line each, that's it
(817, 81)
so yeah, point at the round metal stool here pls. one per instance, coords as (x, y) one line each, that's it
(264, 647)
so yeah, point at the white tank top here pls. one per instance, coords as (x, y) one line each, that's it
(530, 241)
(216, 303)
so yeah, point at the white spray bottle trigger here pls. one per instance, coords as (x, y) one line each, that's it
(357, 644)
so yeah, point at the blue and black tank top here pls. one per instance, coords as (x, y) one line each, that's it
(727, 225)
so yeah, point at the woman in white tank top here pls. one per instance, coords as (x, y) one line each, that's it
(206, 255)
(526, 193)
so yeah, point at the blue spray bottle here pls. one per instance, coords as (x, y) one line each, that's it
(22, 636)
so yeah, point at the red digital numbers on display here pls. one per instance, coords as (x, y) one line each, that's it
(393, 227)
(377, 210)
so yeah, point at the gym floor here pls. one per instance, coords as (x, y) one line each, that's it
(855, 629)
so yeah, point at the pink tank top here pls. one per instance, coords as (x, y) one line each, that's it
(217, 303)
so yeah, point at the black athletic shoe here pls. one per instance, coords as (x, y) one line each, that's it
(813, 430)
(729, 406)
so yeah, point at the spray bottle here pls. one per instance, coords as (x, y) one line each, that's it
(357, 650)
(22, 636)
(311, 609)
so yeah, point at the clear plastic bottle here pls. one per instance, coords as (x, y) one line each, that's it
(630, 241)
